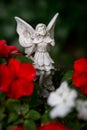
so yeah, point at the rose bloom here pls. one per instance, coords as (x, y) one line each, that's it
(16, 79)
(6, 51)
(17, 128)
(53, 126)
(79, 77)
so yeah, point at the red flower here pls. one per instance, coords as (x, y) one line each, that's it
(79, 77)
(18, 128)
(80, 65)
(6, 51)
(16, 79)
(53, 126)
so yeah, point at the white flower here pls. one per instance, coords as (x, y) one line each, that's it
(81, 107)
(62, 100)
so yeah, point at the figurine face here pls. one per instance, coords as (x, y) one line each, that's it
(41, 29)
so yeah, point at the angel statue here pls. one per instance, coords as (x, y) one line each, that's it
(36, 42)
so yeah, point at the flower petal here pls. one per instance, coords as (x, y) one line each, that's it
(21, 88)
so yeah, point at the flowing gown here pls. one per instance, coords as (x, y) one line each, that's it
(42, 59)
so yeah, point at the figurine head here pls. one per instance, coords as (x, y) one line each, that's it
(41, 29)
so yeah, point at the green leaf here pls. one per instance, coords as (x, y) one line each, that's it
(2, 96)
(76, 126)
(2, 109)
(45, 117)
(34, 115)
(19, 121)
(13, 105)
(2, 116)
(29, 125)
(23, 58)
(12, 117)
(24, 109)
(67, 76)
(34, 99)
(2, 60)
(0, 126)
(9, 127)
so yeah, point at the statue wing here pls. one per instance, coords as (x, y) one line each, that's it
(51, 25)
(25, 32)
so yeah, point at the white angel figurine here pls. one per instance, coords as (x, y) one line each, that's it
(36, 42)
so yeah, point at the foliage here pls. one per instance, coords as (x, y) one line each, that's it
(70, 37)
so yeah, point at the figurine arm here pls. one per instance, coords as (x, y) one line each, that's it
(36, 41)
(30, 50)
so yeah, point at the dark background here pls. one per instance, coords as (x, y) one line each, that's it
(70, 30)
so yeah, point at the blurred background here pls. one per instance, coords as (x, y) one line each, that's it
(70, 29)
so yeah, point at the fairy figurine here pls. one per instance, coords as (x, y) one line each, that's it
(36, 42)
